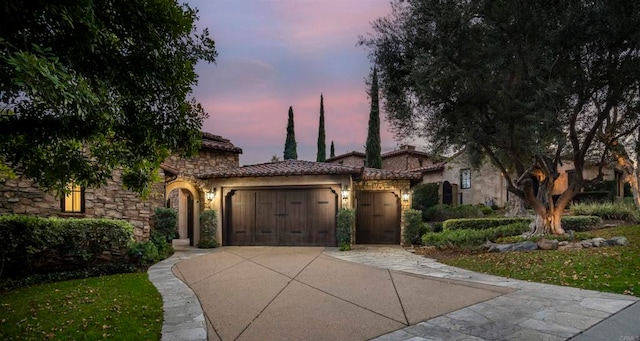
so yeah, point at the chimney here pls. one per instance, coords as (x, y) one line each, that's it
(407, 147)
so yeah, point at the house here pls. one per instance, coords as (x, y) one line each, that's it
(23, 196)
(295, 202)
(406, 157)
(460, 183)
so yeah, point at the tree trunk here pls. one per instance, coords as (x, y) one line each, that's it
(549, 222)
(516, 207)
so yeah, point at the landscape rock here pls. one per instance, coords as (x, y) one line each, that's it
(524, 246)
(618, 241)
(586, 244)
(563, 243)
(598, 242)
(548, 244)
(571, 246)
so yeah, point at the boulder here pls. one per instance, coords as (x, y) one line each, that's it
(618, 241)
(548, 244)
(563, 243)
(598, 242)
(586, 244)
(571, 246)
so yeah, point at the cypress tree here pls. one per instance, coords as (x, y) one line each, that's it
(290, 144)
(322, 146)
(373, 150)
(333, 150)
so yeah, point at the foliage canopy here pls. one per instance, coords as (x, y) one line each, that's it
(90, 86)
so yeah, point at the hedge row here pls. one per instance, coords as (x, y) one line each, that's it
(576, 223)
(473, 238)
(31, 245)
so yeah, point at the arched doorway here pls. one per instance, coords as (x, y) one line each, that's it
(185, 198)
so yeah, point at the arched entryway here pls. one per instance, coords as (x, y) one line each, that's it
(185, 197)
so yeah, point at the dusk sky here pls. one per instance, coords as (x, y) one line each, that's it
(273, 54)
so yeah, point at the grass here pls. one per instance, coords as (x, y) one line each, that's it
(118, 307)
(608, 269)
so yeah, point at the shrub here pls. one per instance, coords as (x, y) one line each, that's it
(414, 228)
(481, 223)
(610, 210)
(435, 226)
(579, 223)
(472, 238)
(30, 245)
(424, 197)
(166, 223)
(486, 210)
(208, 229)
(345, 221)
(445, 212)
(146, 252)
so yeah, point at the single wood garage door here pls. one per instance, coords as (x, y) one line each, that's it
(281, 217)
(377, 218)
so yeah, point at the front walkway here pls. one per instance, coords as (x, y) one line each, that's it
(533, 311)
(529, 311)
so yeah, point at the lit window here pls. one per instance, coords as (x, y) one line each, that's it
(73, 202)
(465, 178)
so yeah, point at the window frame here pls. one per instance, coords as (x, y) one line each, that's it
(465, 184)
(74, 189)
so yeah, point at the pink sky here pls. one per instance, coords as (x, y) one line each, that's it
(279, 53)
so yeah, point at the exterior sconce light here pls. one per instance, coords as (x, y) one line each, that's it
(211, 194)
(345, 192)
(406, 195)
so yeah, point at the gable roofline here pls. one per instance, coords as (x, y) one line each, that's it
(343, 156)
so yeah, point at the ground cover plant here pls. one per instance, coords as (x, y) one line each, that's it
(608, 211)
(118, 307)
(609, 269)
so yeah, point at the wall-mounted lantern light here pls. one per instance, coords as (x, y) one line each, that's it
(211, 194)
(406, 195)
(345, 192)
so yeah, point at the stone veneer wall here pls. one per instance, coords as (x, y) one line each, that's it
(206, 161)
(396, 186)
(351, 161)
(112, 201)
(406, 161)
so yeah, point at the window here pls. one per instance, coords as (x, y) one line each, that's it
(73, 202)
(465, 178)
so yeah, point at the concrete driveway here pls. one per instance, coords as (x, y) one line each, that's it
(297, 293)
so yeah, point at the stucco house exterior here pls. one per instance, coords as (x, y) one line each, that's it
(460, 183)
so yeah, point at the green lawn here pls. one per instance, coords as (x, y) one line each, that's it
(610, 269)
(118, 307)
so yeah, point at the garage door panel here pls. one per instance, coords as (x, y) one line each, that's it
(377, 218)
(266, 218)
(322, 212)
(282, 217)
(294, 220)
(242, 218)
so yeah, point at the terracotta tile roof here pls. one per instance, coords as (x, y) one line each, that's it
(299, 167)
(342, 156)
(430, 168)
(283, 168)
(165, 167)
(216, 142)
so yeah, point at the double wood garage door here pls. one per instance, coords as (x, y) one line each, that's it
(281, 217)
(377, 218)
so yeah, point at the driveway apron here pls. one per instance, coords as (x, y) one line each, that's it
(299, 293)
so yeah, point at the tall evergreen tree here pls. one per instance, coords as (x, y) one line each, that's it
(322, 146)
(290, 144)
(333, 150)
(373, 150)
